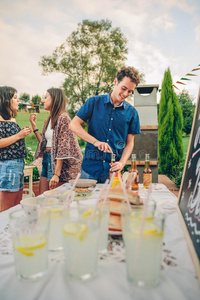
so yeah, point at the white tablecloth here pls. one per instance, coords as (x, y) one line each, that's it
(178, 279)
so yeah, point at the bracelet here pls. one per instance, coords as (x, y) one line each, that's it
(35, 130)
(57, 175)
(94, 142)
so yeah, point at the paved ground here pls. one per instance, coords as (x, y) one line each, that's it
(169, 184)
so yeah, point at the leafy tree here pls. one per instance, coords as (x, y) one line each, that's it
(25, 97)
(36, 99)
(90, 59)
(188, 109)
(170, 143)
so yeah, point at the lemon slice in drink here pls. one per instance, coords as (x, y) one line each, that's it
(150, 228)
(148, 218)
(86, 214)
(30, 243)
(55, 210)
(76, 229)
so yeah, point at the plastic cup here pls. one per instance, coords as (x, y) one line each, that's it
(143, 251)
(80, 243)
(30, 206)
(30, 245)
(61, 195)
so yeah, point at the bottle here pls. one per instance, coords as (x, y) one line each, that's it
(135, 182)
(147, 173)
(112, 162)
(116, 181)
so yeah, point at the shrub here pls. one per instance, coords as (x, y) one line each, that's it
(29, 159)
(170, 143)
(179, 173)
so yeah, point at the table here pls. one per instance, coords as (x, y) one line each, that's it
(178, 280)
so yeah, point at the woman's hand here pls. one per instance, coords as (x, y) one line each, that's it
(32, 119)
(24, 132)
(53, 182)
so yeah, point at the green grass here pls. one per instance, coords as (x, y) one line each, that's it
(186, 140)
(23, 120)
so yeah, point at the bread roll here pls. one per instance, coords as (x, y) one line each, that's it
(115, 207)
(115, 223)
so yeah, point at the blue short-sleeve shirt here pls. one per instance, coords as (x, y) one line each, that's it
(107, 124)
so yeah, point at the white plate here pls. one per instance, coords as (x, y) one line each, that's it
(114, 232)
(84, 183)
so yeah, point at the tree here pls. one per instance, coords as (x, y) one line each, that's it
(36, 99)
(90, 59)
(170, 143)
(188, 109)
(25, 97)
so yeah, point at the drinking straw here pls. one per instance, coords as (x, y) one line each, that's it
(125, 193)
(46, 199)
(130, 179)
(96, 203)
(109, 185)
(70, 192)
(102, 191)
(105, 199)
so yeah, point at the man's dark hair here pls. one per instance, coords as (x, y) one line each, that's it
(130, 72)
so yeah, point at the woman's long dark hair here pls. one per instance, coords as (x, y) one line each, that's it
(58, 105)
(6, 94)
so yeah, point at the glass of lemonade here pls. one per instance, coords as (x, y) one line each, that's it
(80, 241)
(30, 244)
(104, 212)
(143, 249)
(54, 201)
(104, 217)
(54, 205)
(55, 235)
(61, 195)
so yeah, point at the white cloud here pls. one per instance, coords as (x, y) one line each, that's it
(197, 33)
(30, 29)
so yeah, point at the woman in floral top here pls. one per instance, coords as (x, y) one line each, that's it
(12, 150)
(58, 145)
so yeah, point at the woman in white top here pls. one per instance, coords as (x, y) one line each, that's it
(59, 147)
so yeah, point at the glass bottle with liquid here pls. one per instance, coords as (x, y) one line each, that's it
(112, 162)
(135, 182)
(147, 173)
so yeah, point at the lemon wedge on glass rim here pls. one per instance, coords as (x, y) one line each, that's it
(75, 229)
(30, 243)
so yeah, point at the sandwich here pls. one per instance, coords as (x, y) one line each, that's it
(116, 197)
(117, 194)
(115, 223)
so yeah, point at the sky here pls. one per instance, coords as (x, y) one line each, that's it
(161, 34)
